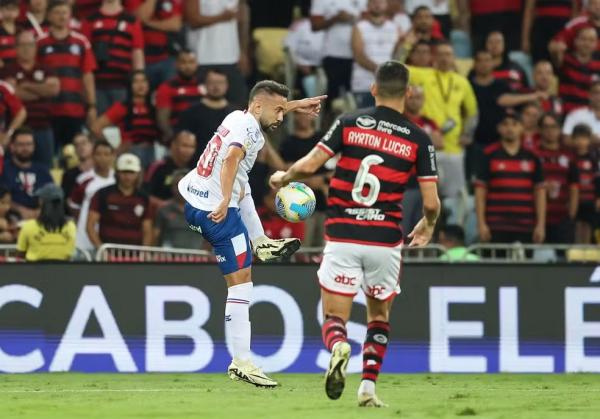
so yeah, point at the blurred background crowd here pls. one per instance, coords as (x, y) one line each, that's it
(106, 104)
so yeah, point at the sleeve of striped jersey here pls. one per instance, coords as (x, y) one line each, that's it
(426, 160)
(137, 35)
(163, 96)
(88, 64)
(116, 113)
(12, 101)
(333, 140)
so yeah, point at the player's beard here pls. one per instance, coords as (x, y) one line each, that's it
(270, 127)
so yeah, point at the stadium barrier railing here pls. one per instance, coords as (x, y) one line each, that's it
(120, 253)
(534, 253)
(9, 254)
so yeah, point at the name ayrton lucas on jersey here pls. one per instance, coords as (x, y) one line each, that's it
(385, 142)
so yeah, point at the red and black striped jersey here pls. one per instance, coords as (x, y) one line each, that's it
(575, 80)
(589, 170)
(8, 51)
(560, 173)
(26, 23)
(136, 122)
(121, 216)
(37, 110)
(379, 148)
(10, 104)
(86, 8)
(114, 37)
(569, 33)
(70, 58)
(552, 105)
(179, 95)
(512, 74)
(156, 42)
(562, 9)
(510, 181)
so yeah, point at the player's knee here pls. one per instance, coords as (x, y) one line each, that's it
(239, 277)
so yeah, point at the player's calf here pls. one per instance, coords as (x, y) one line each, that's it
(335, 338)
(374, 350)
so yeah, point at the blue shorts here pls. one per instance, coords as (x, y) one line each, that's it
(229, 238)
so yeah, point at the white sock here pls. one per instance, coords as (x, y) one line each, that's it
(250, 217)
(237, 323)
(366, 386)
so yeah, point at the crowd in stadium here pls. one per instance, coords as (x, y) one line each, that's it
(115, 100)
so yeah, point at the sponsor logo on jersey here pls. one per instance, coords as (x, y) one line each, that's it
(329, 133)
(366, 214)
(388, 127)
(345, 280)
(221, 259)
(366, 122)
(197, 192)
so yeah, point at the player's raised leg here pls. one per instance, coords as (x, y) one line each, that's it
(374, 348)
(336, 310)
(265, 248)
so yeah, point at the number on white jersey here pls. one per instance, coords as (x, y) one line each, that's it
(206, 162)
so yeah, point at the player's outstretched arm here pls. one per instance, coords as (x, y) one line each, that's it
(303, 168)
(423, 231)
(309, 105)
(228, 173)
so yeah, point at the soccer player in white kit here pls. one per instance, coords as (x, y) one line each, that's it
(220, 207)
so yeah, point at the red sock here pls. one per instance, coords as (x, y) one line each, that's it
(374, 349)
(333, 331)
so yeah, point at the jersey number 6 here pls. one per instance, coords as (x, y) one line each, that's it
(364, 178)
(206, 162)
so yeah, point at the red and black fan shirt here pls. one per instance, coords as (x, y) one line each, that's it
(156, 42)
(69, 59)
(560, 173)
(379, 148)
(589, 171)
(559, 9)
(510, 181)
(136, 121)
(575, 80)
(8, 50)
(10, 104)
(179, 95)
(115, 37)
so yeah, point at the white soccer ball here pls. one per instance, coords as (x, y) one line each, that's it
(295, 202)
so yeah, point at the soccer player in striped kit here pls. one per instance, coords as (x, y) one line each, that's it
(379, 148)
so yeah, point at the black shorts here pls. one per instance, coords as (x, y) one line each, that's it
(587, 213)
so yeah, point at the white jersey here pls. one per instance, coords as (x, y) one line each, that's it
(201, 187)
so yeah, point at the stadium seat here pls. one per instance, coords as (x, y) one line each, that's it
(461, 43)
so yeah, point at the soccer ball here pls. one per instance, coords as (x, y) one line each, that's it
(295, 202)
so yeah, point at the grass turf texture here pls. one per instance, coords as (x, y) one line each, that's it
(299, 396)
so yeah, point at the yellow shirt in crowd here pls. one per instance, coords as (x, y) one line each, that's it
(448, 97)
(39, 244)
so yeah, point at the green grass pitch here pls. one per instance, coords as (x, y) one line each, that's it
(299, 396)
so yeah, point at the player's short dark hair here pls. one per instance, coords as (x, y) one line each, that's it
(102, 143)
(391, 79)
(24, 130)
(3, 190)
(7, 3)
(581, 130)
(453, 233)
(57, 3)
(270, 87)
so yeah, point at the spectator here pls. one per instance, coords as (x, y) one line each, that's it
(159, 178)
(397, 14)
(542, 20)
(562, 182)
(34, 19)
(120, 213)
(412, 203)
(374, 40)
(589, 116)
(530, 118)
(305, 47)
(218, 33)
(51, 236)
(170, 227)
(505, 69)
(452, 237)
(12, 114)
(543, 80)
(487, 16)
(451, 103)
(178, 94)
(83, 150)
(161, 22)
(565, 40)
(135, 118)
(203, 118)
(336, 18)
(510, 198)
(420, 55)
(69, 55)
(579, 70)
(22, 175)
(35, 85)
(8, 218)
(303, 139)
(118, 45)
(88, 183)
(589, 170)
(423, 30)
(9, 12)
(439, 9)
